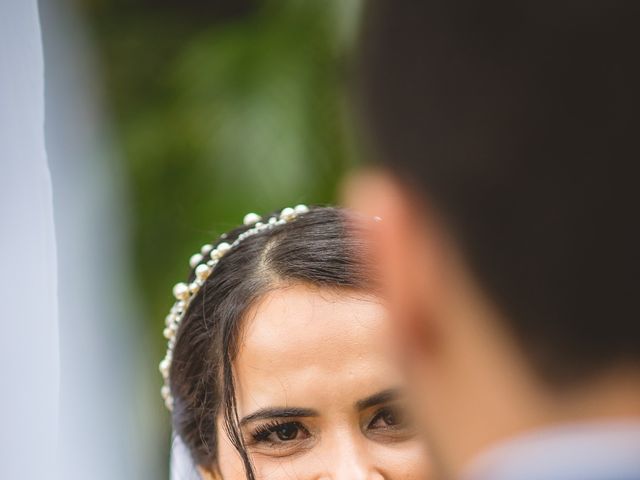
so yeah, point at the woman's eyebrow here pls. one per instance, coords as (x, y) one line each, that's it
(378, 398)
(278, 412)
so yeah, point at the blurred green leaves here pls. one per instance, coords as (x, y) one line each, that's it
(217, 117)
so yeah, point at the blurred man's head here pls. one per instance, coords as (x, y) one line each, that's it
(510, 134)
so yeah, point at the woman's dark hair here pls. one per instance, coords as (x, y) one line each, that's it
(317, 248)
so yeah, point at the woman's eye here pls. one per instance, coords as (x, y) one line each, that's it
(288, 431)
(280, 433)
(388, 418)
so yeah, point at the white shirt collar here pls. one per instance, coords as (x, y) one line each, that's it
(590, 450)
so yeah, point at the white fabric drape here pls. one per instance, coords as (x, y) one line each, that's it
(70, 400)
(182, 467)
(109, 379)
(29, 336)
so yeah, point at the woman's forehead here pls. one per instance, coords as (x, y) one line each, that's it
(299, 341)
(303, 320)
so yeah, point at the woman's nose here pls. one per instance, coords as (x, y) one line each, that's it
(349, 458)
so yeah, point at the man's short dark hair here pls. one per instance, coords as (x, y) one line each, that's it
(520, 122)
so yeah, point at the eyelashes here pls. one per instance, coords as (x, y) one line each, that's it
(283, 433)
(275, 432)
(388, 417)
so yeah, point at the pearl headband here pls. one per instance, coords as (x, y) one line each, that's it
(185, 292)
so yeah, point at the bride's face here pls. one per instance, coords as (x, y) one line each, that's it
(319, 395)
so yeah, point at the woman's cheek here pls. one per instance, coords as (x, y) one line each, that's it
(401, 461)
(404, 461)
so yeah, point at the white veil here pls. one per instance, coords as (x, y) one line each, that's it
(80, 423)
(29, 356)
(31, 414)
(182, 466)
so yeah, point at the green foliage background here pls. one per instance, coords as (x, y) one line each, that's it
(216, 118)
(220, 108)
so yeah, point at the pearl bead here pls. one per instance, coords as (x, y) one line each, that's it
(206, 249)
(168, 333)
(220, 251)
(169, 403)
(203, 271)
(165, 391)
(287, 214)
(193, 288)
(195, 259)
(181, 291)
(169, 319)
(251, 218)
(223, 247)
(272, 220)
(300, 209)
(164, 367)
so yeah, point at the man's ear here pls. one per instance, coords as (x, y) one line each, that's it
(405, 247)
